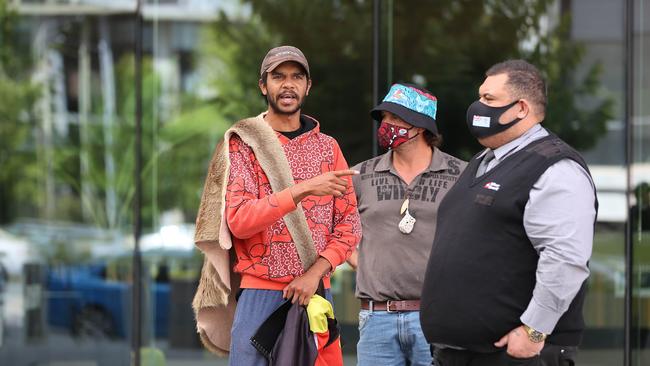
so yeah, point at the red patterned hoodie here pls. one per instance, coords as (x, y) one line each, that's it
(266, 254)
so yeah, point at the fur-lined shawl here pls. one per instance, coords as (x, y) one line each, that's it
(214, 301)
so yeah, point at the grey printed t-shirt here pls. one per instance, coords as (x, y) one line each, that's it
(391, 265)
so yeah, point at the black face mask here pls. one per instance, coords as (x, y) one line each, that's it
(483, 120)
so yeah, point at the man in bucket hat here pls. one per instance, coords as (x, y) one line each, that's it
(398, 194)
(278, 201)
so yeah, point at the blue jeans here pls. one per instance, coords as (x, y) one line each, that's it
(394, 339)
(253, 307)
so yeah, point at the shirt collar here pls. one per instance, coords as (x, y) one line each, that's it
(438, 161)
(284, 139)
(385, 163)
(501, 152)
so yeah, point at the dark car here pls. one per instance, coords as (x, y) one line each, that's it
(83, 299)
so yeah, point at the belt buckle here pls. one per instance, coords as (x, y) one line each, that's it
(388, 307)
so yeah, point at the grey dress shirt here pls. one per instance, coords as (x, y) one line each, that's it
(559, 221)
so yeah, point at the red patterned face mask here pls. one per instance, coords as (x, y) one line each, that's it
(390, 136)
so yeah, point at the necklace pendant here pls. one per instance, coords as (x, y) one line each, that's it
(405, 206)
(407, 223)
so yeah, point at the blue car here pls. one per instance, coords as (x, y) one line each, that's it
(81, 299)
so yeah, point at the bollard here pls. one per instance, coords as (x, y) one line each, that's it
(33, 301)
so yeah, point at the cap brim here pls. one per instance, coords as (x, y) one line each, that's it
(287, 59)
(411, 117)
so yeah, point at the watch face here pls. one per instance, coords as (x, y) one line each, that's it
(536, 336)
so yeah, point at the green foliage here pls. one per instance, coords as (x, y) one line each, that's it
(151, 356)
(235, 42)
(448, 45)
(63, 253)
(20, 175)
(12, 55)
(179, 146)
(69, 150)
(186, 145)
(453, 45)
(175, 152)
(336, 38)
(567, 115)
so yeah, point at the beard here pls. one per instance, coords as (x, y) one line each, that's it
(273, 103)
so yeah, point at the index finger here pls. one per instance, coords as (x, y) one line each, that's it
(287, 292)
(345, 173)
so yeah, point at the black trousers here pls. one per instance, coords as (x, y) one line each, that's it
(551, 355)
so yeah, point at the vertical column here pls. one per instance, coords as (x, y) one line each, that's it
(84, 121)
(137, 201)
(33, 295)
(382, 56)
(376, 52)
(628, 31)
(108, 118)
(45, 152)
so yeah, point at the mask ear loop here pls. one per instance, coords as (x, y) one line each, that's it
(514, 121)
(414, 136)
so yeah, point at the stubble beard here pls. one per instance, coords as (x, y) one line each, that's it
(277, 110)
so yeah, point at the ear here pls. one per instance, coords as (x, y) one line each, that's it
(308, 86)
(524, 108)
(262, 86)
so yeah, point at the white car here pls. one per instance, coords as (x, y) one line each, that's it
(15, 252)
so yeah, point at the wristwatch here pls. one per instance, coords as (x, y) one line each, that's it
(535, 336)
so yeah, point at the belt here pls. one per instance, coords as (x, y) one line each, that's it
(390, 305)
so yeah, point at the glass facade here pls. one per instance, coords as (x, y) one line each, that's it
(66, 77)
(68, 141)
(640, 176)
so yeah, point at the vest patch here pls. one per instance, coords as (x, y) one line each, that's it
(485, 200)
(493, 186)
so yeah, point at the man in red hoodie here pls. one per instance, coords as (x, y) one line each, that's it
(266, 253)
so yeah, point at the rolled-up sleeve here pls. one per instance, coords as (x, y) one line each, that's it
(559, 221)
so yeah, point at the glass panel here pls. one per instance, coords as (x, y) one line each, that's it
(180, 128)
(66, 184)
(640, 211)
(597, 27)
(579, 46)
